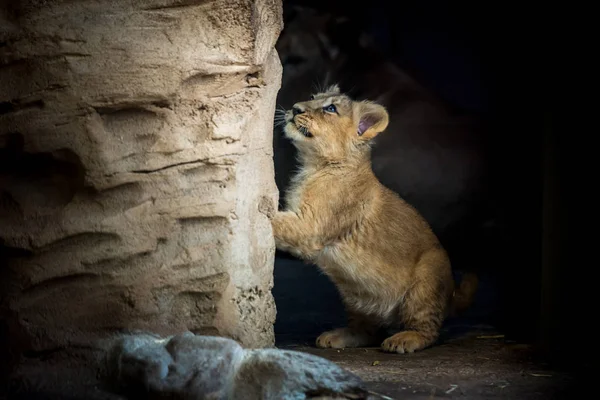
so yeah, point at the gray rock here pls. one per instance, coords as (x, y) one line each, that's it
(187, 366)
(184, 366)
(287, 375)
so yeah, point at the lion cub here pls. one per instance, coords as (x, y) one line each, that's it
(387, 264)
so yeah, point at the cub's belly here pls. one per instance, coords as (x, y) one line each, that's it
(362, 288)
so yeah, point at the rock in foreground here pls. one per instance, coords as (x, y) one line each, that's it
(187, 366)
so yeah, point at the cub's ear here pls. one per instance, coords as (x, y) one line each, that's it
(370, 118)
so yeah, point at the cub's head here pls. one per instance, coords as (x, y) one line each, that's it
(333, 127)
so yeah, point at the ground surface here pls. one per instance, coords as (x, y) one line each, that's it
(467, 368)
(472, 361)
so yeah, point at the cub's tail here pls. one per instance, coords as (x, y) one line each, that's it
(463, 295)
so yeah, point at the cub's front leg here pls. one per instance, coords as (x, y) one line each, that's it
(296, 234)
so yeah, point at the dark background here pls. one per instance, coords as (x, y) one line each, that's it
(496, 61)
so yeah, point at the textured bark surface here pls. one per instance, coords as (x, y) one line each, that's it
(136, 173)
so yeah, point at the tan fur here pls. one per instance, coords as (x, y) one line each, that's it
(387, 264)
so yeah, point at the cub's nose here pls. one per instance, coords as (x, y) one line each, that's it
(297, 110)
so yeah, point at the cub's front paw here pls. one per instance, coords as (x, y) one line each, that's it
(277, 222)
(404, 342)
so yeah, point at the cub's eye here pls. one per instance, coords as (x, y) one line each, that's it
(312, 96)
(330, 108)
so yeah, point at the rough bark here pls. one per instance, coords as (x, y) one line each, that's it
(136, 174)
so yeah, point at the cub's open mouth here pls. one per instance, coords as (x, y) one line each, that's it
(304, 131)
(289, 119)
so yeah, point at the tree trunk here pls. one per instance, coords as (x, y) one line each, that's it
(136, 176)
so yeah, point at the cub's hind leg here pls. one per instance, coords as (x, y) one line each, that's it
(425, 306)
(360, 332)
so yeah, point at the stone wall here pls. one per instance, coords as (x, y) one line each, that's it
(136, 172)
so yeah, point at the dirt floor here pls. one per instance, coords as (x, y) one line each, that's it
(473, 360)
(473, 367)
